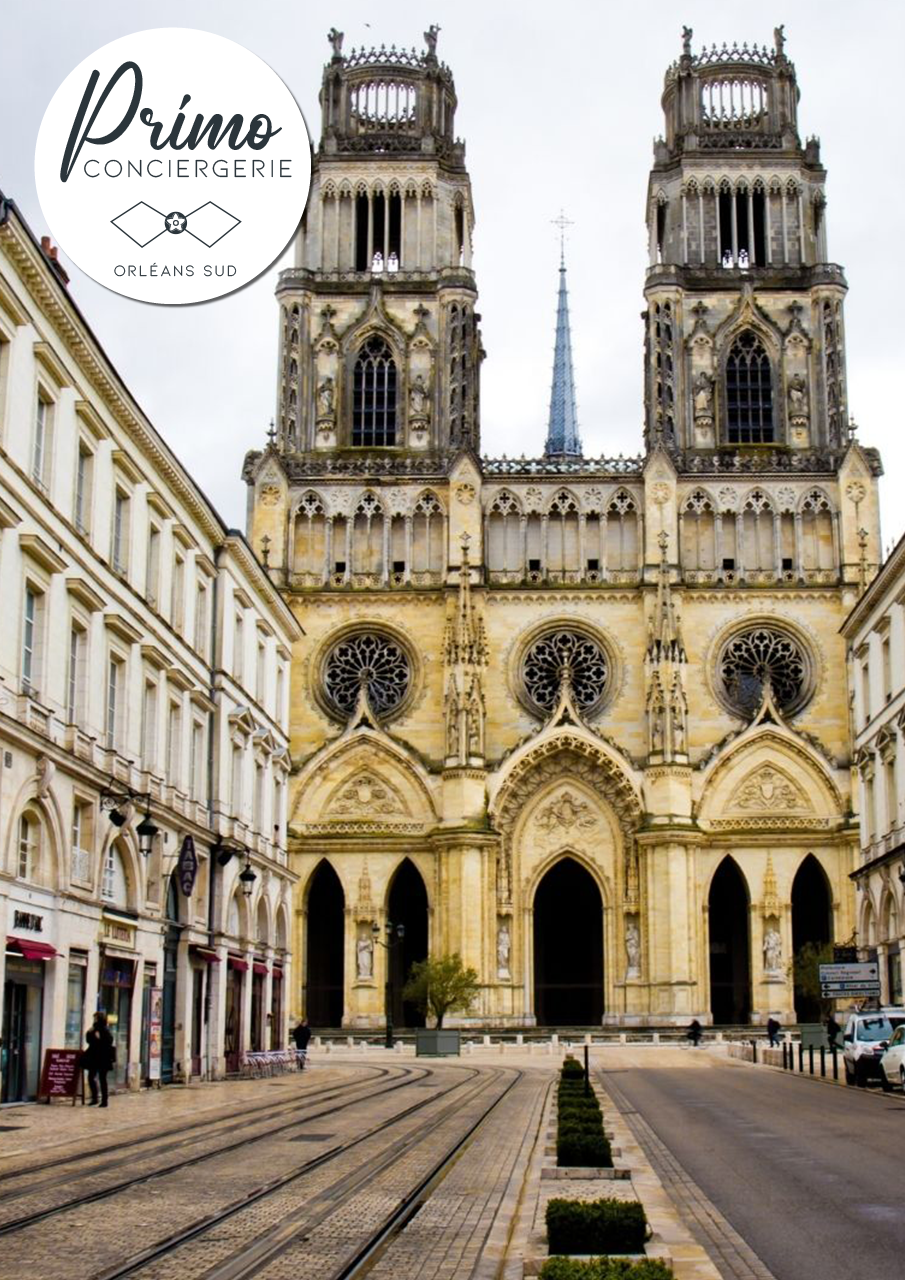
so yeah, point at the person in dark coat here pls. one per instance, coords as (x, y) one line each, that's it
(98, 1058)
(694, 1032)
(773, 1030)
(832, 1030)
(301, 1035)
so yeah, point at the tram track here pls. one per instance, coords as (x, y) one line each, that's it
(296, 1225)
(401, 1078)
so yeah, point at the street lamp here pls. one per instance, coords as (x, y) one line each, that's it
(390, 944)
(247, 877)
(116, 801)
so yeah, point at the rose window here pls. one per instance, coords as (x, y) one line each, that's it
(556, 652)
(757, 655)
(370, 659)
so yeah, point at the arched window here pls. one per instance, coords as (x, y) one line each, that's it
(114, 885)
(374, 395)
(31, 841)
(749, 392)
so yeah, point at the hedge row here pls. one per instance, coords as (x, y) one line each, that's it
(580, 1138)
(596, 1226)
(605, 1269)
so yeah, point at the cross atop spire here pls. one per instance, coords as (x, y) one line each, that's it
(562, 429)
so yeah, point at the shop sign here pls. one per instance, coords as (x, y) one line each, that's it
(28, 920)
(116, 931)
(155, 1032)
(187, 866)
(61, 1075)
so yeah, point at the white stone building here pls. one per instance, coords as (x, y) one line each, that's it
(144, 676)
(875, 632)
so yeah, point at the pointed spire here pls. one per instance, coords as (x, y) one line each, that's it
(562, 429)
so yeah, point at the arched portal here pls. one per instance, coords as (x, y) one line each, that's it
(326, 933)
(730, 946)
(406, 905)
(812, 923)
(568, 948)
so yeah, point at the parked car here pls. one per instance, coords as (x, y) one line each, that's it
(892, 1064)
(864, 1042)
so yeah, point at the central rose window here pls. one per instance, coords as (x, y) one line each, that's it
(756, 656)
(371, 659)
(561, 650)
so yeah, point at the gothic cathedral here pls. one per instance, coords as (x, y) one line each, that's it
(582, 720)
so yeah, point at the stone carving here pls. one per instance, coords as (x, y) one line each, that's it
(503, 948)
(566, 812)
(534, 498)
(326, 397)
(45, 769)
(336, 39)
(364, 953)
(660, 493)
(727, 498)
(767, 790)
(430, 39)
(798, 401)
(632, 950)
(703, 398)
(366, 795)
(855, 491)
(773, 952)
(269, 495)
(785, 498)
(419, 403)
(465, 493)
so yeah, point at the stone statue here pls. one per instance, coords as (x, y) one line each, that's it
(656, 727)
(325, 398)
(632, 950)
(503, 947)
(772, 951)
(365, 956)
(687, 33)
(703, 396)
(452, 731)
(430, 39)
(336, 39)
(678, 729)
(779, 38)
(418, 399)
(798, 399)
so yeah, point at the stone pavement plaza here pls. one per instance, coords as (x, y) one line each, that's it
(298, 1172)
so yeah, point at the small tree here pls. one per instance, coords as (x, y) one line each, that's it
(441, 986)
(805, 968)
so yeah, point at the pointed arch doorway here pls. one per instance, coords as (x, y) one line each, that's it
(325, 968)
(568, 948)
(406, 905)
(730, 946)
(812, 922)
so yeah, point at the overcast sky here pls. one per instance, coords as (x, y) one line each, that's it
(558, 105)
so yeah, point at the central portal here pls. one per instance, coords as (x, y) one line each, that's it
(568, 948)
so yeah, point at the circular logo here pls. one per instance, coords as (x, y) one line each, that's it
(173, 166)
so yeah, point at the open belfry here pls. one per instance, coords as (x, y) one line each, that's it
(583, 721)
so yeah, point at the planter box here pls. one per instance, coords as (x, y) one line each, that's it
(433, 1043)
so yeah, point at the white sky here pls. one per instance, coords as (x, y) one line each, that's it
(558, 105)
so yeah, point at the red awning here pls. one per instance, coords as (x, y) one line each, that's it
(32, 950)
(277, 971)
(235, 963)
(258, 967)
(205, 954)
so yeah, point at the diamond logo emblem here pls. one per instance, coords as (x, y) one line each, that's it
(142, 223)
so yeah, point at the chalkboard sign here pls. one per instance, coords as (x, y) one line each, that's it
(62, 1075)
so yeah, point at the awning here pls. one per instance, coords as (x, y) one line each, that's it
(277, 971)
(235, 963)
(32, 950)
(258, 967)
(205, 954)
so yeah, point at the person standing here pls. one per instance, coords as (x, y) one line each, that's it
(832, 1031)
(301, 1035)
(694, 1032)
(98, 1058)
(773, 1030)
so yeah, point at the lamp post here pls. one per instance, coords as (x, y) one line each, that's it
(247, 877)
(116, 801)
(389, 946)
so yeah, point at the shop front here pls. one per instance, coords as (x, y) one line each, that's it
(276, 1009)
(258, 988)
(232, 1041)
(23, 1013)
(201, 959)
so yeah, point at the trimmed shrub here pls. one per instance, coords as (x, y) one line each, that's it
(605, 1269)
(572, 1069)
(583, 1149)
(596, 1226)
(579, 1131)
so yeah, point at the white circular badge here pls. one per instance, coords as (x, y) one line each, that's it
(173, 166)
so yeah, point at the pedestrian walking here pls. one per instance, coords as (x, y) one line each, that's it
(694, 1032)
(98, 1058)
(773, 1030)
(301, 1035)
(832, 1031)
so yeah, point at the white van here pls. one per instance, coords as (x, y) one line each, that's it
(864, 1041)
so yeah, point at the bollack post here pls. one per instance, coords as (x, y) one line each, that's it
(784, 1056)
(800, 1057)
(811, 1058)
(587, 1071)
(835, 1064)
(823, 1061)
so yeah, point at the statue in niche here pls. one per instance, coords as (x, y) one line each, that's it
(703, 395)
(772, 952)
(657, 726)
(418, 398)
(325, 400)
(798, 400)
(503, 948)
(678, 729)
(632, 950)
(452, 730)
(365, 957)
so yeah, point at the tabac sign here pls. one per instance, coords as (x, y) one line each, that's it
(187, 866)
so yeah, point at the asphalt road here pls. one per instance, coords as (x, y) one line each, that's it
(812, 1176)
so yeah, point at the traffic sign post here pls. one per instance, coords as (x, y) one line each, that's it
(840, 980)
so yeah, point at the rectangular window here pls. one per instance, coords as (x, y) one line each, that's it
(81, 841)
(177, 594)
(120, 532)
(108, 879)
(196, 785)
(152, 568)
(865, 692)
(258, 814)
(41, 443)
(116, 672)
(239, 646)
(31, 634)
(887, 669)
(281, 686)
(236, 793)
(75, 999)
(174, 733)
(76, 676)
(261, 671)
(29, 848)
(201, 637)
(84, 467)
(892, 803)
(149, 726)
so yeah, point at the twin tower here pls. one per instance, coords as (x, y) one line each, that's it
(578, 719)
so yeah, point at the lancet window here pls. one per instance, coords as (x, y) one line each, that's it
(367, 537)
(699, 529)
(505, 552)
(309, 547)
(758, 528)
(461, 374)
(664, 385)
(749, 392)
(622, 532)
(833, 370)
(374, 395)
(818, 550)
(563, 534)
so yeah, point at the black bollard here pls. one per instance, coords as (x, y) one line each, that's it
(587, 1072)
(835, 1064)
(811, 1058)
(800, 1056)
(823, 1061)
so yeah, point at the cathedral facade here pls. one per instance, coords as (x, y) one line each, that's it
(582, 720)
